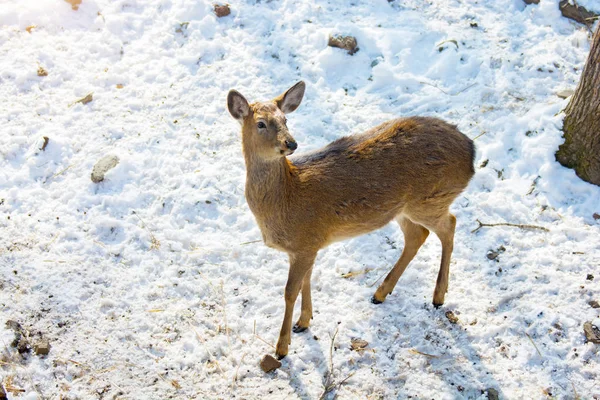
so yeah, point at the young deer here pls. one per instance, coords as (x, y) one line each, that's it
(407, 169)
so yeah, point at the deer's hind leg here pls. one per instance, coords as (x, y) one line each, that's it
(414, 236)
(443, 225)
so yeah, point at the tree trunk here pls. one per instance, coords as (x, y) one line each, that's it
(581, 126)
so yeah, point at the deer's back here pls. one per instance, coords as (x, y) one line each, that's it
(360, 182)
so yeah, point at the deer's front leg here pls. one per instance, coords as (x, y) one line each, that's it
(300, 265)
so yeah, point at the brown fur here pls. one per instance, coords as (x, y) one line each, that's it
(407, 169)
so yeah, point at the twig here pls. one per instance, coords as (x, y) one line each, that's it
(480, 135)
(155, 244)
(59, 173)
(377, 280)
(207, 350)
(329, 385)
(235, 377)
(522, 226)
(448, 41)
(575, 390)
(264, 341)
(52, 241)
(415, 351)
(435, 86)
(531, 340)
(331, 349)
(250, 242)
(225, 317)
(443, 91)
(356, 273)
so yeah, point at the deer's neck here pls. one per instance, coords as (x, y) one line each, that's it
(268, 184)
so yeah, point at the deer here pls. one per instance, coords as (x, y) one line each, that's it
(408, 169)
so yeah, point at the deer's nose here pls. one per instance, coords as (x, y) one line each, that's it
(291, 145)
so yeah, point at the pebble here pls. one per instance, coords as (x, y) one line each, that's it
(269, 363)
(103, 166)
(592, 333)
(222, 10)
(344, 42)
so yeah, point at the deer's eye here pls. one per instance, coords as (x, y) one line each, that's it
(261, 125)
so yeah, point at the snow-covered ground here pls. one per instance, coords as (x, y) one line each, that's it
(153, 284)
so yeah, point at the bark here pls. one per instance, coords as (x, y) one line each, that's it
(581, 126)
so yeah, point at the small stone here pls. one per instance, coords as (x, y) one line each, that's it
(119, 86)
(566, 93)
(358, 344)
(42, 72)
(344, 42)
(594, 304)
(269, 363)
(14, 325)
(492, 394)
(87, 99)
(222, 10)
(42, 348)
(576, 13)
(532, 1)
(596, 216)
(590, 277)
(74, 4)
(451, 317)
(493, 254)
(592, 333)
(23, 345)
(103, 166)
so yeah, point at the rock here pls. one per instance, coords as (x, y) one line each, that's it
(269, 363)
(493, 254)
(451, 317)
(344, 42)
(492, 394)
(42, 72)
(87, 99)
(590, 277)
(15, 326)
(222, 10)
(358, 344)
(532, 1)
(592, 333)
(566, 93)
(42, 348)
(594, 304)
(103, 166)
(20, 341)
(22, 345)
(576, 13)
(596, 216)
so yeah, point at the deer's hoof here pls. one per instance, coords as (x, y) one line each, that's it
(297, 328)
(375, 301)
(437, 305)
(280, 356)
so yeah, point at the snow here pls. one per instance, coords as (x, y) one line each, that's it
(152, 284)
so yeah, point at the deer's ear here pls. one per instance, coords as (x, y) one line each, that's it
(237, 105)
(291, 99)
